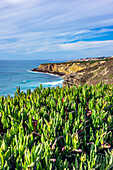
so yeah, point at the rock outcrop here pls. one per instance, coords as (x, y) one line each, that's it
(80, 72)
(59, 68)
(65, 68)
(91, 75)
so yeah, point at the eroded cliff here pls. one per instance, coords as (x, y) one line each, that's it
(65, 68)
(92, 75)
(90, 72)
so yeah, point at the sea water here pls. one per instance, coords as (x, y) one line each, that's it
(14, 74)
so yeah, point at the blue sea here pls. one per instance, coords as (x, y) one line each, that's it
(14, 74)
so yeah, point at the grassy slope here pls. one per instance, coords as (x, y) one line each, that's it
(68, 62)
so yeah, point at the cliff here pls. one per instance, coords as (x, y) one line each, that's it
(92, 75)
(86, 72)
(65, 68)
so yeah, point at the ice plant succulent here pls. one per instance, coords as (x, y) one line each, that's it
(57, 128)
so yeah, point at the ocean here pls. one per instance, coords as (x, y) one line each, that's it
(14, 74)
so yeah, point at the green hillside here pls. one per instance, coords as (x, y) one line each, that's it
(62, 128)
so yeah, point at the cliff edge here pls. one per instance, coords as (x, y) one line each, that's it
(86, 72)
(92, 75)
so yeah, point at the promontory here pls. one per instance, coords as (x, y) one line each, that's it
(81, 72)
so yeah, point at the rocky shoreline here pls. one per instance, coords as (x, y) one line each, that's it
(46, 71)
(80, 73)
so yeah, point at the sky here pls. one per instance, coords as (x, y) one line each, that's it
(55, 29)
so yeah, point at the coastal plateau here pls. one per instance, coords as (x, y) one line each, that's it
(86, 72)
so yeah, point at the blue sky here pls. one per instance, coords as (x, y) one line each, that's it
(55, 29)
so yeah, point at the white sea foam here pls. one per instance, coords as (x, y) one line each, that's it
(25, 81)
(53, 83)
(48, 83)
(32, 71)
(43, 73)
(52, 74)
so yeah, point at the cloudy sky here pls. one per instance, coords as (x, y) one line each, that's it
(55, 29)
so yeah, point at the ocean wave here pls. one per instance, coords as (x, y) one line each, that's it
(25, 81)
(52, 74)
(43, 73)
(32, 71)
(53, 83)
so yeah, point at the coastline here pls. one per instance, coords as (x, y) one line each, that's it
(48, 72)
(45, 73)
(80, 73)
(51, 74)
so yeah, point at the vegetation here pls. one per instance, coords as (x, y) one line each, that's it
(84, 62)
(62, 128)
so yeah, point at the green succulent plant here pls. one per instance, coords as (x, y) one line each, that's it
(57, 128)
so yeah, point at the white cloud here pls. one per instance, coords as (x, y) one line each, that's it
(81, 45)
(15, 1)
(44, 25)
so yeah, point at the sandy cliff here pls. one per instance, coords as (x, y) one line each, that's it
(65, 68)
(92, 75)
(60, 69)
(80, 72)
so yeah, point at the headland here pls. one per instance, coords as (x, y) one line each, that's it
(84, 71)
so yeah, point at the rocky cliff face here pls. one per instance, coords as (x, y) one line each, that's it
(59, 68)
(64, 68)
(91, 75)
(80, 73)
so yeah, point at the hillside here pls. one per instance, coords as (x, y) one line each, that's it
(92, 75)
(86, 72)
(66, 67)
